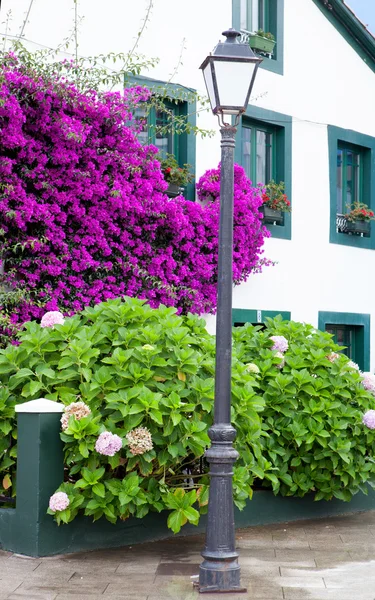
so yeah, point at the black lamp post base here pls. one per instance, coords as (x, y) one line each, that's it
(214, 579)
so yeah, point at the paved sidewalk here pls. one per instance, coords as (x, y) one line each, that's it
(312, 560)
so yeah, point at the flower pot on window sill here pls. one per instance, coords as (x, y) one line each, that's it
(174, 190)
(357, 227)
(262, 44)
(275, 217)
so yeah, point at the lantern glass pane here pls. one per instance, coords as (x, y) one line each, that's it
(233, 82)
(207, 73)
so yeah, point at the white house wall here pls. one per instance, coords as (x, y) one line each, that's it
(324, 82)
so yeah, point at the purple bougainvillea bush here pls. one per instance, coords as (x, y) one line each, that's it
(83, 213)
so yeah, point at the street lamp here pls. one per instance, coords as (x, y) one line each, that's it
(229, 74)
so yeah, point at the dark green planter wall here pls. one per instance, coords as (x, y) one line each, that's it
(27, 529)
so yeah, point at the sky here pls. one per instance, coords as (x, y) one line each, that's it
(365, 10)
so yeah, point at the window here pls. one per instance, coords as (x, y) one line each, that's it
(264, 149)
(344, 335)
(254, 15)
(157, 128)
(352, 179)
(250, 15)
(157, 124)
(351, 330)
(349, 176)
(258, 143)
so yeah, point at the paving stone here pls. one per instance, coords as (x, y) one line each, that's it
(301, 572)
(250, 562)
(291, 544)
(107, 578)
(171, 587)
(135, 568)
(10, 584)
(178, 568)
(344, 581)
(124, 596)
(303, 594)
(75, 589)
(258, 592)
(310, 555)
(20, 595)
(302, 582)
(257, 570)
(108, 566)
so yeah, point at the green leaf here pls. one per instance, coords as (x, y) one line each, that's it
(99, 489)
(192, 515)
(176, 520)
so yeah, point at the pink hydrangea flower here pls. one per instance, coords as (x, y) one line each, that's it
(76, 409)
(140, 440)
(280, 343)
(252, 368)
(51, 318)
(369, 419)
(108, 443)
(368, 382)
(280, 355)
(352, 365)
(332, 356)
(59, 501)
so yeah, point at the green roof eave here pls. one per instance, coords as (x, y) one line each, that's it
(351, 28)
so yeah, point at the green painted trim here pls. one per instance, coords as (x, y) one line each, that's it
(276, 17)
(366, 142)
(351, 28)
(243, 315)
(283, 158)
(182, 97)
(354, 319)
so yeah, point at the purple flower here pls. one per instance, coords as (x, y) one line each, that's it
(59, 501)
(369, 419)
(280, 343)
(108, 443)
(86, 201)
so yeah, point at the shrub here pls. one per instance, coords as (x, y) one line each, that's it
(83, 214)
(313, 437)
(139, 385)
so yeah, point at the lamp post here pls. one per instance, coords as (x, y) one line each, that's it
(229, 74)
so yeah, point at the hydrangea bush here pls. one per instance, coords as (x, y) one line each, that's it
(318, 423)
(83, 214)
(138, 385)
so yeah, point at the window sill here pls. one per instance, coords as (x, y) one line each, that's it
(357, 228)
(269, 61)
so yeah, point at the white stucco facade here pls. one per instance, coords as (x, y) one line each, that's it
(325, 82)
